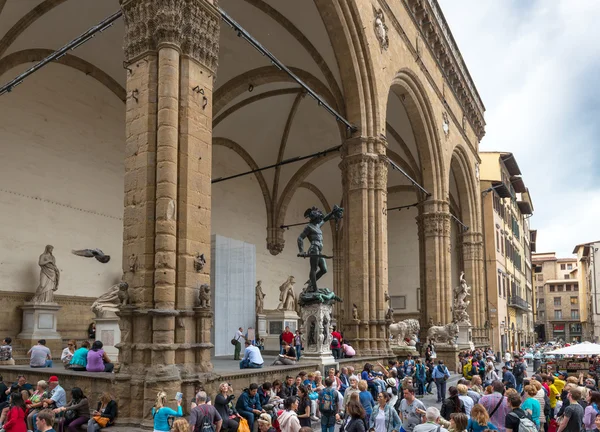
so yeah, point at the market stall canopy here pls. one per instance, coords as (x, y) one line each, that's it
(585, 348)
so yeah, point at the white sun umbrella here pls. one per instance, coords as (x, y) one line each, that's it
(585, 348)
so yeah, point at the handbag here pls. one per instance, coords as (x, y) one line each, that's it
(233, 341)
(70, 415)
(102, 421)
(243, 426)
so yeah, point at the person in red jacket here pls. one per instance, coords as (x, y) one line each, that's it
(15, 419)
(286, 336)
(336, 343)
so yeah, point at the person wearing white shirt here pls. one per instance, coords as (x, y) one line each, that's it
(252, 357)
(465, 398)
(68, 352)
(237, 340)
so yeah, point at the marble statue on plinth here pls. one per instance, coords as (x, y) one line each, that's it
(407, 329)
(460, 304)
(260, 298)
(109, 302)
(287, 298)
(49, 278)
(446, 334)
(318, 267)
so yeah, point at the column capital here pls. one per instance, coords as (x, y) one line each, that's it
(364, 163)
(434, 224)
(190, 25)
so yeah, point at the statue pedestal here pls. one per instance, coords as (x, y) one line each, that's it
(275, 323)
(39, 322)
(316, 330)
(403, 351)
(448, 353)
(465, 337)
(109, 333)
(261, 326)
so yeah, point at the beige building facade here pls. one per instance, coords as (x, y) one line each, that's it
(588, 274)
(118, 144)
(562, 301)
(507, 205)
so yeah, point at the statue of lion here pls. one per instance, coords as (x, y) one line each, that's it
(443, 334)
(407, 329)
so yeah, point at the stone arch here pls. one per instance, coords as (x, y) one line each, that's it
(470, 241)
(249, 101)
(397, 159)
(289, 26)
(408, 87)
(467, 187)
(232, 145)
(343, 22)
(26, 21)
(266, 75)
(36, 54)
(296, 181)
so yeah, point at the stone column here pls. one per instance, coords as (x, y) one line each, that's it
(364, 179)
(171, 51)
(472, 247)
(434, 236)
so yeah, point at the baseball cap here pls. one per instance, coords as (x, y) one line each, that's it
(53, 378)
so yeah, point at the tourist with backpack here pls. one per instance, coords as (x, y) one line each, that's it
(518, 420)
(531, 405)
(384, 417)
(204, 417)
(421, 377)
(519, 372)
(328, 406)
(336, 343)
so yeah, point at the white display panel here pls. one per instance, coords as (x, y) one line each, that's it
(233, 278)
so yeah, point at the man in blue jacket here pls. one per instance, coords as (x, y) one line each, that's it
(440, 375)
(248, 404)
(508, 379)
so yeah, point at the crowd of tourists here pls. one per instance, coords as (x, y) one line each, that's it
(388, 398)
(88, 357)
(44, 407)
(291, 346)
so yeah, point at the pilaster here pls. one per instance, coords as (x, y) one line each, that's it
(365, 279)
(472, 248)
(171, 51)
(434, 235)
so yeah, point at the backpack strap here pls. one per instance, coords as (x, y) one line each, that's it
(497, 406)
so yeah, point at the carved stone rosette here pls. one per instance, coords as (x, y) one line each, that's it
(190, 25)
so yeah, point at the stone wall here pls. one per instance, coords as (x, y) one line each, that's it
(73, 319)
(61, 180)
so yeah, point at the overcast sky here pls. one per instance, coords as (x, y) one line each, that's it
(536, 65)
